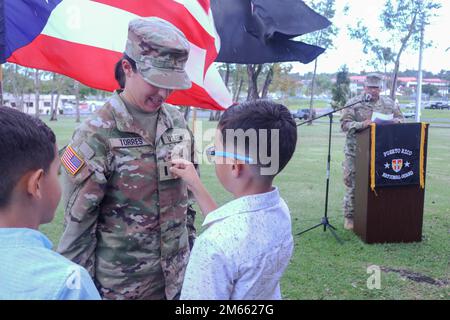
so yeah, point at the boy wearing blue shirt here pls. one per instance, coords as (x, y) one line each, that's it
(248, 242)
(29, 195)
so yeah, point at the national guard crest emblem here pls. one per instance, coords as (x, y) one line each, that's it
(397, 164)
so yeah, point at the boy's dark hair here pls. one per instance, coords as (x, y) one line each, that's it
(119, 74)
(263, 114)
(26, 143)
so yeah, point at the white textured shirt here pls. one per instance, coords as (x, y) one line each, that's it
(243, 252)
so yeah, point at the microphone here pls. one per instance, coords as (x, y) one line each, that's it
(367, 97)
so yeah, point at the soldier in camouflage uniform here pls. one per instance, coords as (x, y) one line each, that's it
(357, 118)
(127, 220)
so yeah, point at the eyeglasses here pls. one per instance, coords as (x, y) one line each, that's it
(211, 153)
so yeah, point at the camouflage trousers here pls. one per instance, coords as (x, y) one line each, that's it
(349, 182)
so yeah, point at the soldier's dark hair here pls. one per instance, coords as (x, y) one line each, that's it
(26, 144)
(119, 74)
(263, 114)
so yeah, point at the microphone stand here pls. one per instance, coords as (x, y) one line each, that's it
(324, 221)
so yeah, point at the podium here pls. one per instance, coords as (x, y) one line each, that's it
(389, 213)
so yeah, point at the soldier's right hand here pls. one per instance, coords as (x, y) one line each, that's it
(367, 123)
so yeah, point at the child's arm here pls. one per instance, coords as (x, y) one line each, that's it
(186, 171)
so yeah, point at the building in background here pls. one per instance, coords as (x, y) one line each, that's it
(406, 85)
(66, 104)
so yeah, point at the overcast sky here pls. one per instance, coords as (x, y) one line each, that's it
(349, 51)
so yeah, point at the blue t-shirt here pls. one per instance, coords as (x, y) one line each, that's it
(30, 270)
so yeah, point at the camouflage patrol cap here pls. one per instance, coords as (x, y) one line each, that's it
(374, 80)
(160, 51)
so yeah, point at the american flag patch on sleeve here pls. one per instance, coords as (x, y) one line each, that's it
(72, 161)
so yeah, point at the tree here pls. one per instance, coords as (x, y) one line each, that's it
(76, 88)
(385, 56)
(381, 56)
(430, 90)
(233, 76)
(283, 81)
(238, 84)
(270, 75)
(58, 85)
(402, 20)
(268, 80)
(341, 89)
(413, 73)
(37, 88)
(322, 38)
(253, 72)
(323, 83)
(17, 80)
(443, 74)
(187, 111)
(216, 116)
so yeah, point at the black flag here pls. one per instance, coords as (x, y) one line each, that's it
(260, 31)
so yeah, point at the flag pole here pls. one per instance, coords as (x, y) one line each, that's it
(1, 85)
(194, 120)
(420, 75)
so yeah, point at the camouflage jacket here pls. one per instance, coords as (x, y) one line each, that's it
(353, 118)
(126, 219)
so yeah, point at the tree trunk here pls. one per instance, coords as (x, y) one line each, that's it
(52, 100)
(253, 71)
(236, 79)
(57, 89)
(77, 101)
(397, 60)
(17, 92)
(37, 87)
(394, 78)
(267, 83)
(216, 115)
(54, 113)
(187, 111)
(238, 91)
(313, 81)
(227, 75)
(1, 85)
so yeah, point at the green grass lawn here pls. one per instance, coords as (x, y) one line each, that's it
(296, 103)
(321, 268)
(435, 114)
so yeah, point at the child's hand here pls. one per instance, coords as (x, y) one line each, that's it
(186, 171)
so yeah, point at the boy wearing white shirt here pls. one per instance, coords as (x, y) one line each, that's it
(248, 242)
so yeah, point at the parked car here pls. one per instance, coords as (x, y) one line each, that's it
(439, 105)
(411, 105)
(303, 114)
(426, 105)
(409, 114)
